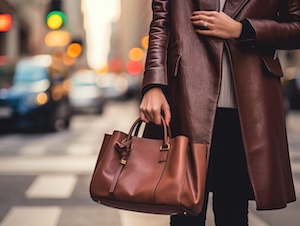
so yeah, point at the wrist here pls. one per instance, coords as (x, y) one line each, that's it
(237, 29)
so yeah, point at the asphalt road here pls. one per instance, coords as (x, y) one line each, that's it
(44, 177)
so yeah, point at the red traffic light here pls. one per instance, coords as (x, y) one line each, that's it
(5, 22)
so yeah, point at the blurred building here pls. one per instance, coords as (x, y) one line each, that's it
(20, 39)
(132, 26)
(28, 31)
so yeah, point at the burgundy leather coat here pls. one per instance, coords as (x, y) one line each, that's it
(190, 66)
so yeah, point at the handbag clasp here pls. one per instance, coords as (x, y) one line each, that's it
(123, 149)
(165, 147)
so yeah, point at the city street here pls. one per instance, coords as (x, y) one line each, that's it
(44, 177)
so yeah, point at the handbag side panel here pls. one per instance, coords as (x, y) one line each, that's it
(106, 166)
(103, 148)
(195, 182)
(170, 187)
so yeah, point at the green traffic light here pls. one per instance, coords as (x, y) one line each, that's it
(56, 19)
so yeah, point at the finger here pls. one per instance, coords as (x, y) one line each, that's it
(144, 113)
(201, 23)
(143, 117)
(205, 23)
(205, 13)
(195, 17)
(201, 17)
(167, 114)
(150, 116)
(157, 120)
(156, 116)
(148, 113)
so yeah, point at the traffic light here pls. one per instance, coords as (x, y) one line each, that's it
(5, 22)
(55, 18)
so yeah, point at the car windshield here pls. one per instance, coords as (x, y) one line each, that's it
(30, 74)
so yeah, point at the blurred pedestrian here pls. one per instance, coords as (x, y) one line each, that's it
(212, 72)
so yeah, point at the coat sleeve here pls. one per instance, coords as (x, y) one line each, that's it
(284, 31)
(156, 67)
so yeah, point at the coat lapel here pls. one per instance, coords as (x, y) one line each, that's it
(232, 7)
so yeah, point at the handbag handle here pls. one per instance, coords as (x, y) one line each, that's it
(166, 132)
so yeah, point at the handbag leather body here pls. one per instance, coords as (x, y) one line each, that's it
(160, 176)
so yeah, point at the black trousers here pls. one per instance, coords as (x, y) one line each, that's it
(227, 177)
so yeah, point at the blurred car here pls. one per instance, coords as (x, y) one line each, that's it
(291, 88)
(6, 74)
(135, 84)
(37, 97)
(85, 95)
(114, 85)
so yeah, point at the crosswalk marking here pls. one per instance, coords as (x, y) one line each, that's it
(52, 187)
(255, 220)
(34, 150)
(295, 155)
(297, 187)
(88, 137)
(128, 218)
(209, 213)
(90, 216)
(52, 164)
(296, 167)
(81, 149)
(32, 216)
(9, 139)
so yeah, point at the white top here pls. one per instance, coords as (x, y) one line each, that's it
(227, 95)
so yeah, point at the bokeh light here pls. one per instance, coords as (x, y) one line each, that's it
(42, 98)
(134, 67)
(145, 42)
(67, 60)
(57, 38)
(136, 54)
(5, 22)
(115, 65)
(56, 19)
(74, 50)
(102, 70)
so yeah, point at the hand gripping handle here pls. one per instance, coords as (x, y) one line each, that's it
(166, 132)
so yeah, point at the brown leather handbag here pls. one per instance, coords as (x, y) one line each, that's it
(164, 176)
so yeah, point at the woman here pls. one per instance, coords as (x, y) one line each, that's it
(212, 71)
